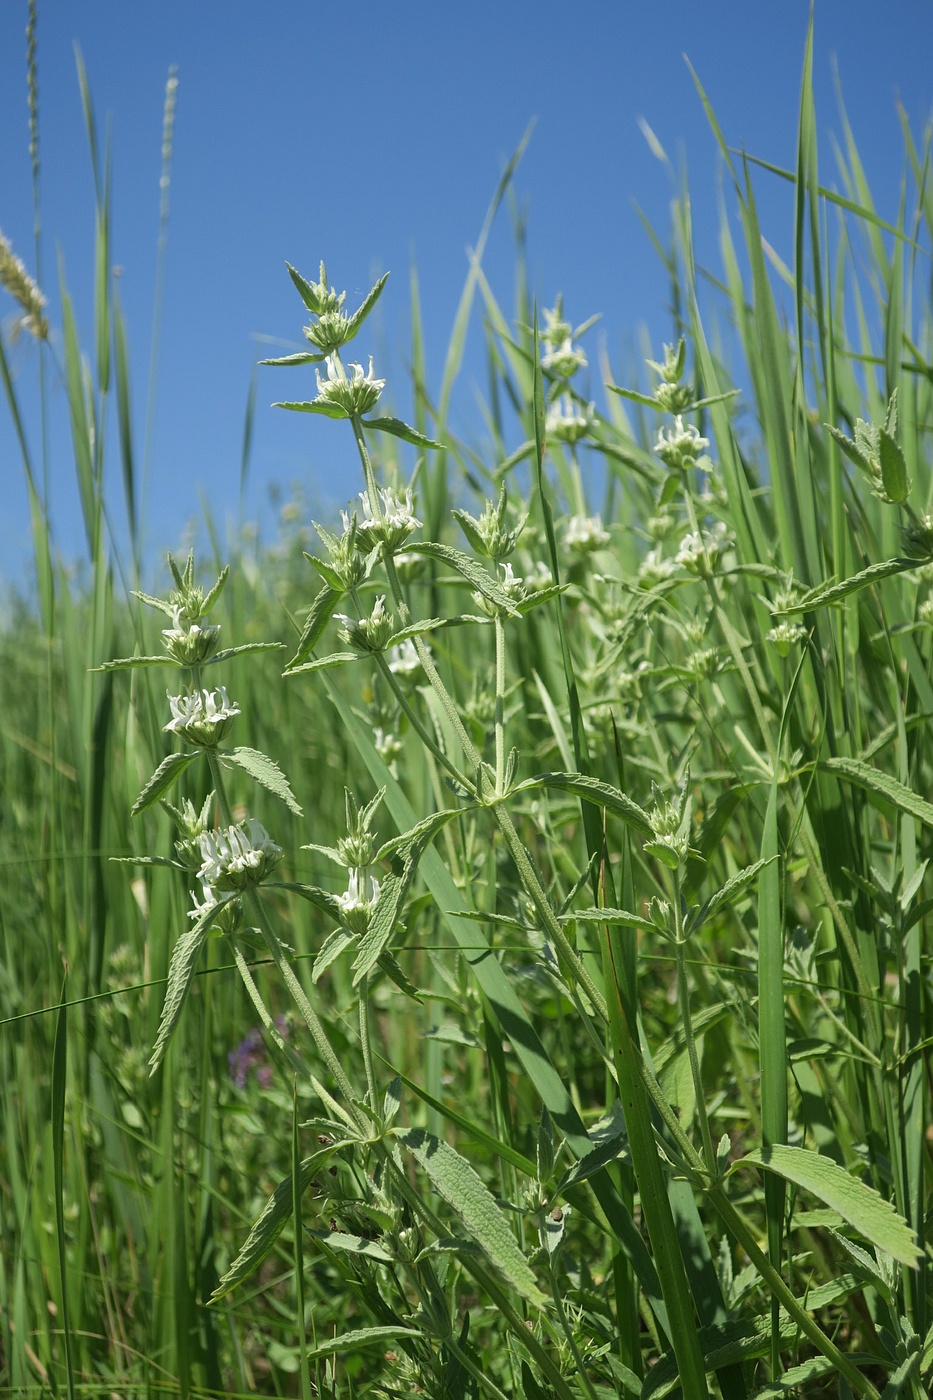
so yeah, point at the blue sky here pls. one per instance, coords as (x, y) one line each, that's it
(372, 135)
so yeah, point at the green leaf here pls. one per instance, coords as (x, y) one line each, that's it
(882, 785)
(407, 851)
(730, 890)
(244, 647)
(327, 573)
(363, 1336)
(334, 944)
(320, 614)
(822, 597)
(130, 663)
(325, 663)
(363, 310)
(164, 777)
(473, 572)
(851, 449)
(305, 290)
(608, 916)
(322, 406)
(352, 1244)
(591, 790)
(858, 1204)
(181, 971)
(264, 770)
(303, 357)
(893, 468)
(455, 1180)
(269, 1223)
(398, 429)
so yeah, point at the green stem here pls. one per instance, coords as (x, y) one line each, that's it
(683, 993)
(500, 706)
(366, 1042)
(257, 911)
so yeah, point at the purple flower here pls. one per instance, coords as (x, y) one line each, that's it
(250, 1054)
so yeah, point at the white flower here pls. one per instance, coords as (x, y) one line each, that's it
(357, 903)
(701, 553)
(654, 569)
(565, 360)
(680, 446)
(369, 633)
(585, 533)
(200, 908)
(238, 855)
(203, 717)
(355, 395)
(405, 660)
(566, 423)
(394, 526)
(189, 643)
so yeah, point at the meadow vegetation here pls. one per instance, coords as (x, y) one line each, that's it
(502, 965)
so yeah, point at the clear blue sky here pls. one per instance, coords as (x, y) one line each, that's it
(373, 134)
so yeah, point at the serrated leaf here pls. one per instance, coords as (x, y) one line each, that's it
(730, 890)
(322, 406)
(265, 770)
(363, 310)
(416, 629)
(327, 573)
(543, 595)
(822, 597)
(181, 971)
(325, 663)
(893, 468)
(398, 429)
(617, 917)
(851, 449)
(473, 572)
(363, 1336)
(591, 790)
(858, 1204)
(305, 290)
(269, 1223)
(152, 602)
(407, 850)
(164, 777)
(130, 663)
(468, 526)
(330, 950)
(455, 1180)
(323, 899)
(393, 970)
(302, 357)
(607, 1151)
(883, 785)
(243, 647)
(318, 617)
(352, 1244)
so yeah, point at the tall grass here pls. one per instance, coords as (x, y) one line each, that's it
(653, 1036)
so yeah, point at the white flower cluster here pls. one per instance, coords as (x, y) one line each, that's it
(404, 660)
(655, 569)
(359, 900)
(585, 533)
(568, 423)
(188, 642)
(393, 527)
(369, 633)
(701, 552)
(680, 446)
(237, 856)
(355, 395)
(564, 360)
(203, 717)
